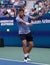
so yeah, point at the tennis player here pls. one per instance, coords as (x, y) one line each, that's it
(25, 33)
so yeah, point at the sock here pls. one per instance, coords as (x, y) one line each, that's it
(26, 55)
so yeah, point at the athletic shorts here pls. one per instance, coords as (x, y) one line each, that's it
(27, 37)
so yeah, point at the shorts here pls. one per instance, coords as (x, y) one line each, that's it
(27, 37)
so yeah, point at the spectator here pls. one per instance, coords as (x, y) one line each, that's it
(22, 3)
(13, 12)
(35, 5)
(1, 1)
(2, 8)
(32, 11)
(7, 2)
(12, 1)
(40, 6)
(19, 3)
(16, 2)
(26, 12)
(1, 12)
(8, 9)
(5, 13)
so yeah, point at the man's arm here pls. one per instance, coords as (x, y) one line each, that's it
(36, 17)
(26, 23)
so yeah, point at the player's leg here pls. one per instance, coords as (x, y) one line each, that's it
(24, 46)
(30, 46)
(30, 43)
(24, 42)
(26, 50)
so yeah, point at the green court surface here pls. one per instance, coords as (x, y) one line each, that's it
(38, 55)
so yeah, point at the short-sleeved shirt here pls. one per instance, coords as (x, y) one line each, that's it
(23, 28)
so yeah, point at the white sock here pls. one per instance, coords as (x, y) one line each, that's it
(25, 55)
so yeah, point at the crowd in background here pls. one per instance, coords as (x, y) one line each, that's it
(10, 7)
(40, 6)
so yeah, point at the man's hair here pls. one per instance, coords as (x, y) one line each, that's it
(21, 9)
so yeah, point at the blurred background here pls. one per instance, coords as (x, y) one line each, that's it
(8, 24)
(10, 43)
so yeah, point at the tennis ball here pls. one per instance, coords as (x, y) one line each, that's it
(8, 30)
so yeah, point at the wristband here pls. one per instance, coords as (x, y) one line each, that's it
(27, 23)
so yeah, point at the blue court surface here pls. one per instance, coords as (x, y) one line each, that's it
(16, 62)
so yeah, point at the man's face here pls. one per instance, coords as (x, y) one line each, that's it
(21, 13)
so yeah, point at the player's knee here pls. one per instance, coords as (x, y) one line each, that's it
(31, 44)
(24, 43)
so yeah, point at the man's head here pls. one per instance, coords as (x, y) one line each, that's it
(21, 12)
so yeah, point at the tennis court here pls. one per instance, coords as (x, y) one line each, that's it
(14, 56)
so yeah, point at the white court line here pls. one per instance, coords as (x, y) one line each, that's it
(23, 61)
